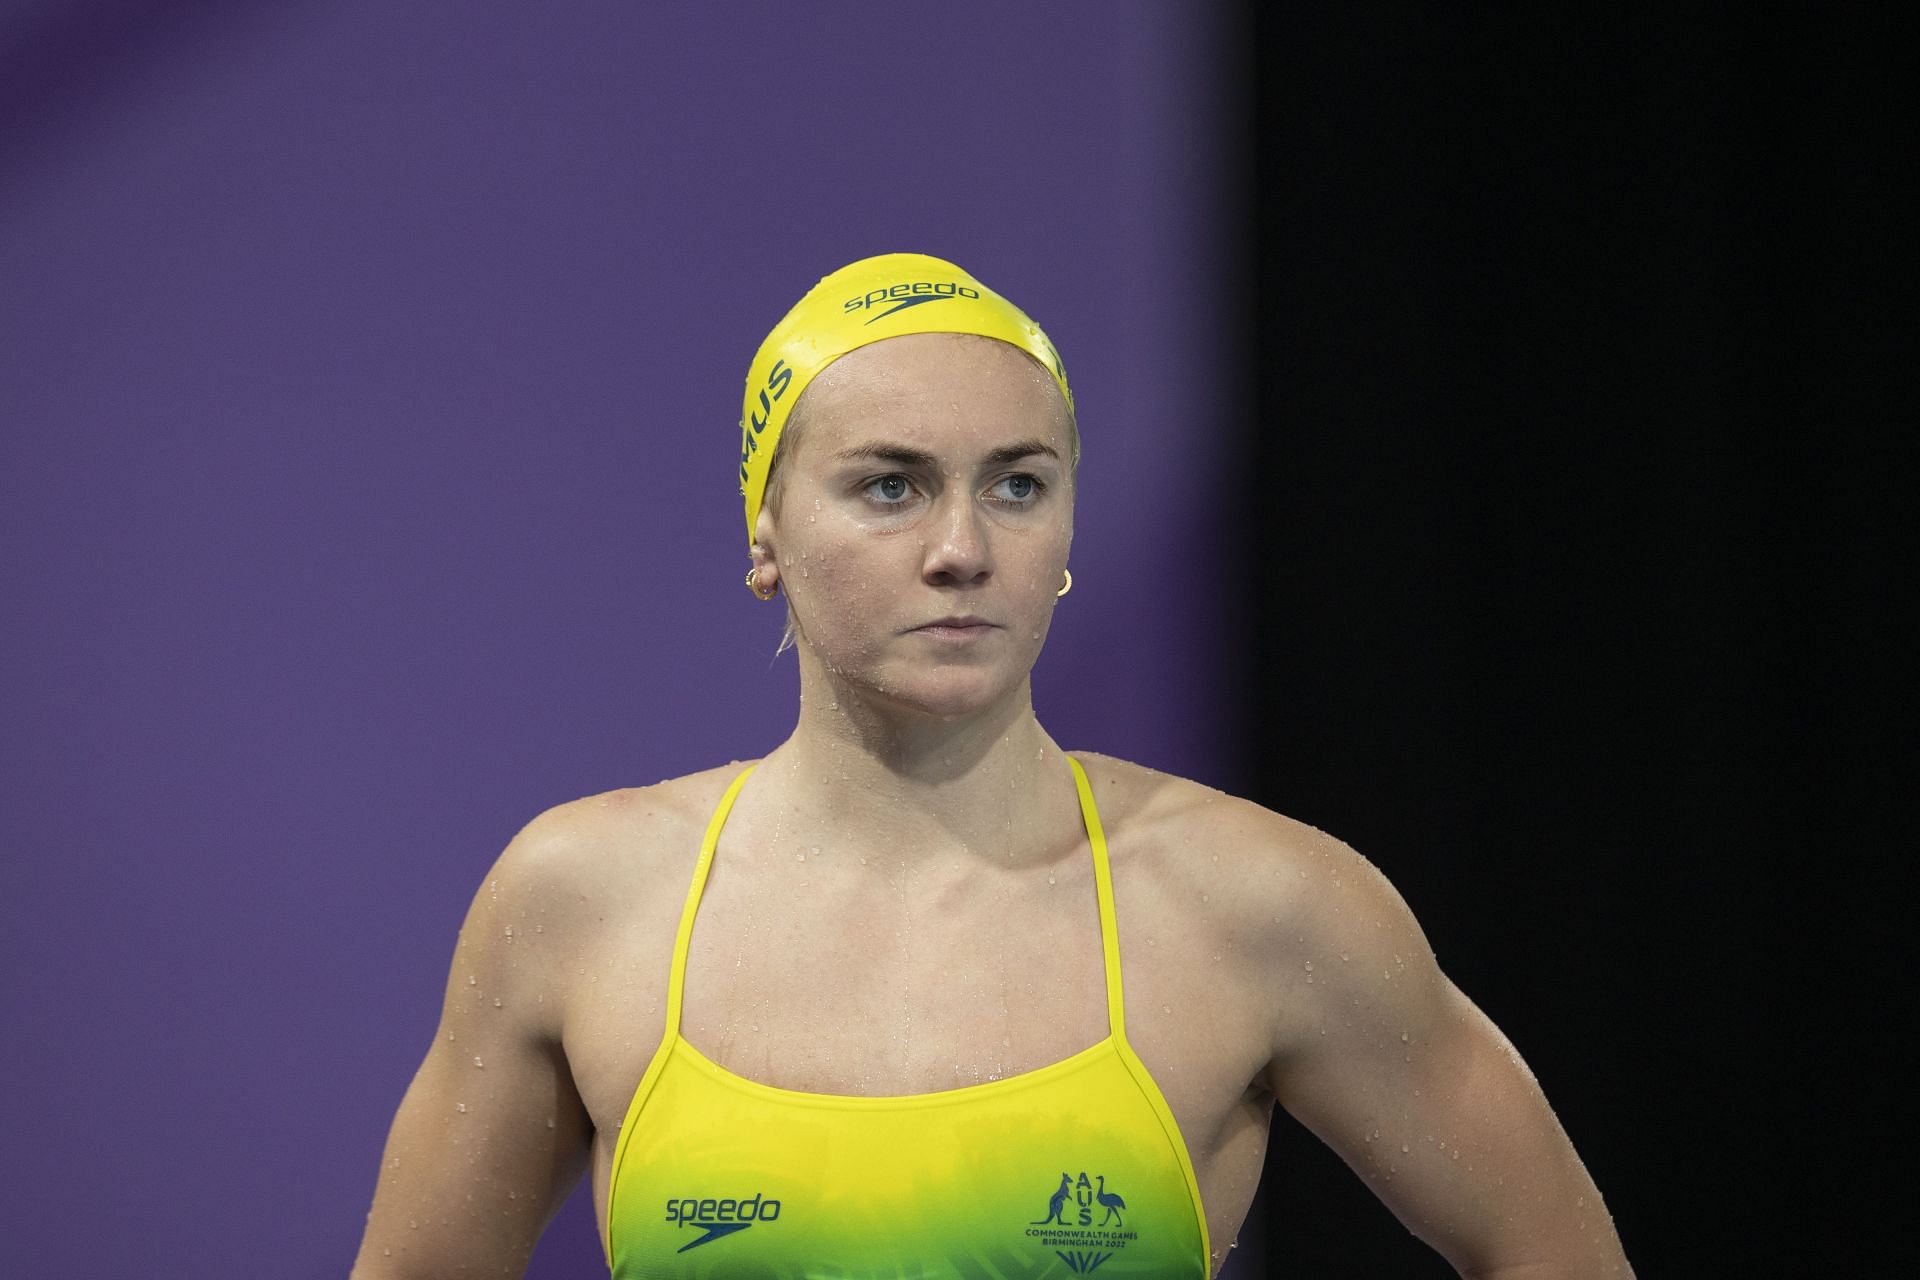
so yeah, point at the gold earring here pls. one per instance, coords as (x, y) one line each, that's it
(1062, 591)
(753, 585)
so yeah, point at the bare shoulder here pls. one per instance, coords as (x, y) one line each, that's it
(1193, 830)
(583, 870)
(580, 850)
(1273, 882)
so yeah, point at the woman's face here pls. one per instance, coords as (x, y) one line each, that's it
(924, 519)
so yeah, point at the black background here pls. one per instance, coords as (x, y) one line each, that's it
(1576, 381)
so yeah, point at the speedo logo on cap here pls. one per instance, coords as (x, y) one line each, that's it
(907, 295)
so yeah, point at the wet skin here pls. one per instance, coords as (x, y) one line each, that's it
(902, 900)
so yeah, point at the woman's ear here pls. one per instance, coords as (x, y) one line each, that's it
(765, 577)
(763, 539)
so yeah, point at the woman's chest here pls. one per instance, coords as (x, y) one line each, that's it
(830, 992)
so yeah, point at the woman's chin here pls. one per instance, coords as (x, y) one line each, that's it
(947, 695)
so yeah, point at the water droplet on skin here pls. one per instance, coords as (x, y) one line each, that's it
(549, 1122)
(460, 1107)
(478, 1063)
(1309, 966)
(1403, 1037)
(1403, 1148)
(472, 981)
(496, 1002)
(1050, 879)
(509, 933)
(1345, 956)
(800, 855)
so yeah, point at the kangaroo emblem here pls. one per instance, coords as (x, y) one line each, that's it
(1114, 1204)
(1056, 1204)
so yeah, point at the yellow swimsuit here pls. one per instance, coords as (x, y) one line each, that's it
(1075, 1168)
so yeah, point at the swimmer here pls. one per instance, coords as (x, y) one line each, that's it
(920, 993)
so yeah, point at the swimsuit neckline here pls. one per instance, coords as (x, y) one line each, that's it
(978, 1091)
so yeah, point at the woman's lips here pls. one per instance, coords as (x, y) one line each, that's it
(955, 628)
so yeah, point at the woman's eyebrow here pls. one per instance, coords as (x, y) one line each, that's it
(902, 456)
(1023, 449)
(898, 454)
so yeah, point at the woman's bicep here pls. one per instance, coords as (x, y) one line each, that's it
(1418, 1091)
(491, 1135)
(1456, 1138)
(477, 1162)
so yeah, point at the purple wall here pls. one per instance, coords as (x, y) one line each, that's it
(368, 377)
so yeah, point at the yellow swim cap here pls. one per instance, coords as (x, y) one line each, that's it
(874, 298)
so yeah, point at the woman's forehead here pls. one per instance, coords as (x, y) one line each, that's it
(935, 382)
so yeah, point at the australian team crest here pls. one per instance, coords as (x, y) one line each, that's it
(1086, 1222)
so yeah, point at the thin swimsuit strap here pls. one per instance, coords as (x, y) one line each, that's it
(1102, 878)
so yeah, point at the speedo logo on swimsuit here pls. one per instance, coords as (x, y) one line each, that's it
(903, 296)
(718, 1218)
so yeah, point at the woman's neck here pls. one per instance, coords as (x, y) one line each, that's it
(985, 783)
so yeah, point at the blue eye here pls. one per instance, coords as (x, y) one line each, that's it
(890, 490)
(1018, 490)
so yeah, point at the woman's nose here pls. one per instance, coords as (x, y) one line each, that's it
(957, 550)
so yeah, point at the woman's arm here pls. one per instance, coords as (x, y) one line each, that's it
(1381, 1056)
(491, 1135)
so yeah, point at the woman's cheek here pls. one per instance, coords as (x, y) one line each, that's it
(837, 591)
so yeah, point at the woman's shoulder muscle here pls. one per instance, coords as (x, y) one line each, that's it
(584, 848)
(1189, 831)
(607, 862)
(1286, 895)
